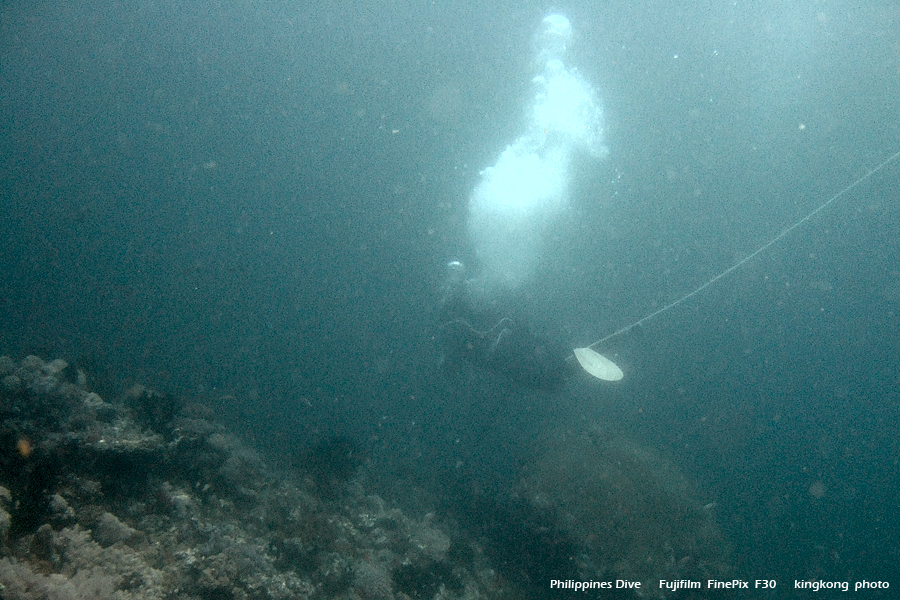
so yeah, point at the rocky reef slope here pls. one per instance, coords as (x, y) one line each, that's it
(149, 497)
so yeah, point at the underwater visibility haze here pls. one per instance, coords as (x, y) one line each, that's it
(332, 259)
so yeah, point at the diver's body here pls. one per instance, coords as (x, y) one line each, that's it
(499, 343)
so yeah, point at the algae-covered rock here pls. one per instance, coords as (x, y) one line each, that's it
(630, 513)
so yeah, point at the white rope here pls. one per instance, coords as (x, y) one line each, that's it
(750, 256)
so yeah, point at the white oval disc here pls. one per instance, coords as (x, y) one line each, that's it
(598, 365)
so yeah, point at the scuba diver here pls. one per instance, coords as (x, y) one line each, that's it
(499, 343)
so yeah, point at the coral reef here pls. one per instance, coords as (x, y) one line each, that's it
(149, 497)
